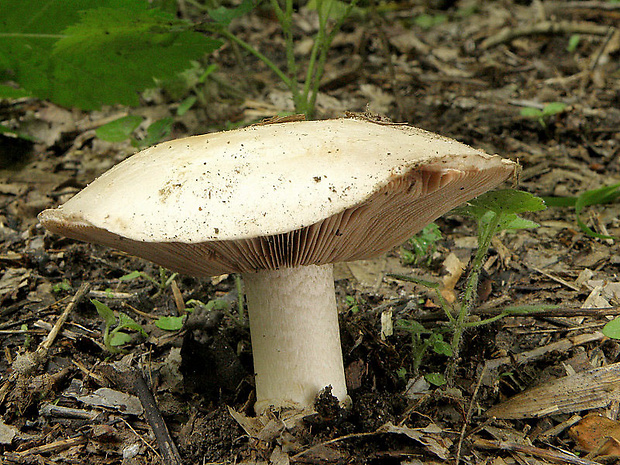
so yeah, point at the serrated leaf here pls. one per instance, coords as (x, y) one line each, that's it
(502, 202)
(170, 323)
(87, 53)
(104, 312)
(119, 129)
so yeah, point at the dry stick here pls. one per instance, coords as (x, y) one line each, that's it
(41, 352)
(560, 457)
(27, 363)
(468, 415)
(553, 312)
(167, 446)
(544, 27)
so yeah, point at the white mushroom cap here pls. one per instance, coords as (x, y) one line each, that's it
(277, 195)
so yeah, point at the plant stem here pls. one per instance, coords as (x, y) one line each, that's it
(270, 64)
(471, 290)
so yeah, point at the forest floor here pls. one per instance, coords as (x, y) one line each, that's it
(462, 69)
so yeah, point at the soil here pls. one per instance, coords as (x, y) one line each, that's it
(467, 77)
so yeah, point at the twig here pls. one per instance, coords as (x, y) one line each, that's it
(167, 446)
(25, 364)
(544, 27)
(560, 457)
(141, 438)
(468, 415)
(41, 352)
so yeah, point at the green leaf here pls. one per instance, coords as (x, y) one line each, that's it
(170, 323)
(426, 21)
(9, 92)
(125, 321)
(531, 112)
(224, 16)
(86, 53)
(502, 202)
(130, 276)
(104, 312)
(157, 131)
(612, 329)
(513, 221)
(553, 108)
(600, 196)
(119, 129)
(573, 43)
(332, 9)
(119, 338)
(436, 379)
(7, 130)
(411, 326)
(442, 347)
(185, 105)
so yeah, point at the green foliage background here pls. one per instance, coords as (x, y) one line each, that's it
(86, 53)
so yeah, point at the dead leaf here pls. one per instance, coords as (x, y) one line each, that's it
(582, 391)
(593, 431)
(455, 269)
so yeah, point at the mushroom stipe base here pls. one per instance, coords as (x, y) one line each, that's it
(295, 335)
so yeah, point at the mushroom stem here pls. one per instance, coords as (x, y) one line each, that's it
(295, 336)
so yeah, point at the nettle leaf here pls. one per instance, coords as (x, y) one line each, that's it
(86, 53)
(506, 201)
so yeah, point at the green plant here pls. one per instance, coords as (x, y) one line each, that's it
(304, 92)
(114, 333)
(600, 196)
(27, 336)
(543, 115)
(573, 43)
(64, 285)
(422, 340)
(493, 212)
(421, 246)
(352, 304)
(426, 21)
(123, 128)
(175, 323)
(90, 53)
(162, 283)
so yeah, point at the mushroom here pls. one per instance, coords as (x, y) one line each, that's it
(280, 203)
